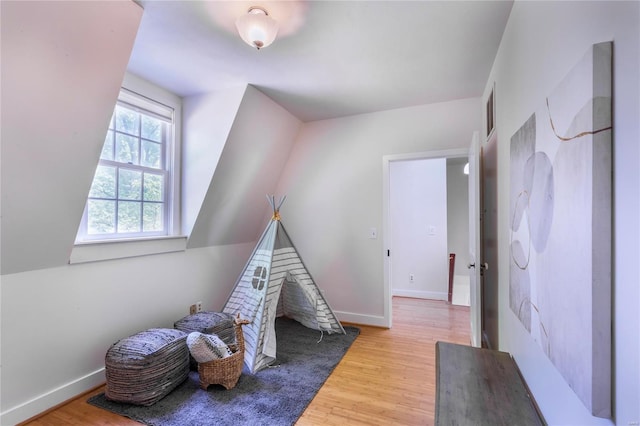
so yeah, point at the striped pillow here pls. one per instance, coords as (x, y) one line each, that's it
(207, 347)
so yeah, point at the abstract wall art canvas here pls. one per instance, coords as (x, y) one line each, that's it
(560, 228)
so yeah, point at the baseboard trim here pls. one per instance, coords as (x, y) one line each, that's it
(416, 294)
(373, 320)
(52, 398)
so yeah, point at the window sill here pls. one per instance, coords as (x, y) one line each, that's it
(95, 251)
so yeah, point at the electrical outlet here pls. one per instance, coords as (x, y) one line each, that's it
(411, 278)
(199, 306)
(192, 309)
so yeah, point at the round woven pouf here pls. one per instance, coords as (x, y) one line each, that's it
(143, 368)
(218, 323)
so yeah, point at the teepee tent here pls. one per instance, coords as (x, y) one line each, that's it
(274, 283)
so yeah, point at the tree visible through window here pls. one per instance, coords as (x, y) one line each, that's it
(129, 194)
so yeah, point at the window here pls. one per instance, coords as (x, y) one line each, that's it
(259, 278)
(131, 194)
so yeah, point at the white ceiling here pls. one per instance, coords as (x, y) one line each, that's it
(331, 58)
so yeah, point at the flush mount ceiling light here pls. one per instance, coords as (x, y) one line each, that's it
(257, 28)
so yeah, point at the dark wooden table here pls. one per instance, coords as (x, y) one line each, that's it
(477, 386)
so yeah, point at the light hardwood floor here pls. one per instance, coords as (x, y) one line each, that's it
(386, 377)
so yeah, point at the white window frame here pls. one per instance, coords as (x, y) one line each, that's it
(90, 248)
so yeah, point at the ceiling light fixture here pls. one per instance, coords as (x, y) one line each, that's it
(257, 28)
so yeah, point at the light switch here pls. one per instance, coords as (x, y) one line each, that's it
(373, 233)
(432, 230)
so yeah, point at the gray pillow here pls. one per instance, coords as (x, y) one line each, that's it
(207, 347)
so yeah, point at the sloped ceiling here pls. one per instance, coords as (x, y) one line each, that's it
(207, 122)
(62, 67)
(63, 63)
(234, 208)
(331, 58)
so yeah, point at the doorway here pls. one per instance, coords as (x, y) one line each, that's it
(418, 223)
(458, 229)
(387, 235)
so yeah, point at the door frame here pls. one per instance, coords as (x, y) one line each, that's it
(490, 327)
(386, 228)
(475, 240)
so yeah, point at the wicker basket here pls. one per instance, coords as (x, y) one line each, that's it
(225, 371)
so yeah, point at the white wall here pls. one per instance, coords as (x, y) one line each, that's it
(62, 67)
(458, 214)
(418, 218)
(69, 315)
(207, 120)
(234, 208)
(58, 323)
(541, 43)
(58, 320)
(333, 181)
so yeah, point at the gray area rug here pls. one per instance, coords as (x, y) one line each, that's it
(274, 396)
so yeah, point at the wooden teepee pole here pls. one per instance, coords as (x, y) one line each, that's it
(276, 209)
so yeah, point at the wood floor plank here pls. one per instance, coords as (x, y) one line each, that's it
(386, 377)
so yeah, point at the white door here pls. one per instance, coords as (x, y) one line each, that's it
(474, 241)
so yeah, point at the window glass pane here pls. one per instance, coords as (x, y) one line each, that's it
(153, 187)
(104, 183)
(129, 184)
(101, 217)
(129, 216)
(126, 149)
(107, 148)
(153, 218)
(151, 128)
(131, 190)
(127, 121)
(151, 154)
